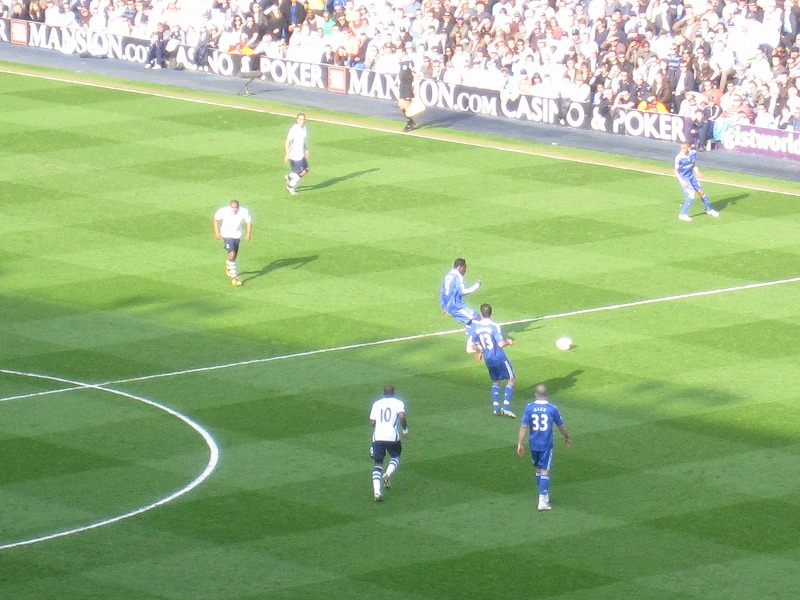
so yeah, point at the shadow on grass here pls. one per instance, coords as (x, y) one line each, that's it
(556, 384)
(294, 262)
(519, 327)
(334, 180)
(722, 203)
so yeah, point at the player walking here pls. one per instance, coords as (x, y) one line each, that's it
(228, 222)
(687, 174)
(296, 153)
(491, 343)
(387, 413)
(537, 425)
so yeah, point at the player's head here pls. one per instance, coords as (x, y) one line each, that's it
(486, 310)
(460, 264)
(685, 147)
(235, 205)
(301, 118)
(541, 391)
(388, 390)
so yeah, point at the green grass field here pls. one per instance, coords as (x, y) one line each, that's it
(682, 481)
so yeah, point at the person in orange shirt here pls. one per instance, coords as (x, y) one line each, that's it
(652, 105)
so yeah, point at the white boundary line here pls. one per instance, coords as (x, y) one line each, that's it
(211, 465)
(211, 443)
(572, 313)
(422, 134)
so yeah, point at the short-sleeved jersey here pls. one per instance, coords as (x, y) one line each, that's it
(231, 225)
(684, 163)
(297, 141)
(386, 414)
(488, 335)
(540, 417)
(451, 294)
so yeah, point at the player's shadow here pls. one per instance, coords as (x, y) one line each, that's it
(294, 262)
(518, 328)
(557, 384)
(443, 121)
(335, 180)
(722, 203)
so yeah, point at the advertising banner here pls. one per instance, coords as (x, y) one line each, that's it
(383, 86)
(772, 143)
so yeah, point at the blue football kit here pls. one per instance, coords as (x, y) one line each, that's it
(687, 178)
(488, 335)
(451, 297)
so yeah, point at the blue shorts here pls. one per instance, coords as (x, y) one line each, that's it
(378, 450)
(463, 315)
(690, 182)
(298, 166)
(542, 459)
(231, 244)
(500, 371)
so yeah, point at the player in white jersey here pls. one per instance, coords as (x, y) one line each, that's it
(228, 222)
(387, 414)
(296, 153)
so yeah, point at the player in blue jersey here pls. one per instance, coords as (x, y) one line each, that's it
(537, 425)
(687, 174)
(387, 414)
(451, 296)
(490, 343)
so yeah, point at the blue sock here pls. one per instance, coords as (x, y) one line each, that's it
(509, 394)
(544, 485)
(686, 204)
(706, 202)
(496, 396)
(377, 471)
(538, 477)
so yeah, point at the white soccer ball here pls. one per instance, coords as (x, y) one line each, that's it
(564, 343)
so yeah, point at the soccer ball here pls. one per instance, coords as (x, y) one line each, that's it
(563, 343)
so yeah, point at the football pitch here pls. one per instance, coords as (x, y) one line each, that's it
(165, 435)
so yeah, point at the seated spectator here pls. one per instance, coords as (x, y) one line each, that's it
(202, 49)
(622, 101)
(711, 95)
(18, 11)
(36, 13)
(699, 130)
(155, 51)
(691, 103)
(738, 111)
(662, 89)
(650, 104)
(525, 83)
(602, 106)
(763, 118)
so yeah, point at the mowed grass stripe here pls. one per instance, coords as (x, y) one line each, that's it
(657, 395)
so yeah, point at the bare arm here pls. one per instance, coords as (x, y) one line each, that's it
(248, 231)
(506, 342)
(523, 433)
(216, 229)
(565, 433)
(403, 424)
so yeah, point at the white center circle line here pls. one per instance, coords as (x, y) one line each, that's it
(211, 465)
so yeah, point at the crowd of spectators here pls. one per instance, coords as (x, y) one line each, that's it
(717, 62)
